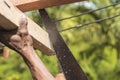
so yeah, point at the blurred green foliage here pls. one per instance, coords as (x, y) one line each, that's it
(13, 68)
(96, 47)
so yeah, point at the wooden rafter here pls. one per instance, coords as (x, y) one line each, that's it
(10, 15)
(9, 19)
(28, 5)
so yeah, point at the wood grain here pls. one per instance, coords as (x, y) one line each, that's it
(28, 5)
(9, 20)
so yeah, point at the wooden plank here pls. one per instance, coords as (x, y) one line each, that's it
(9, 20)
(28, 5)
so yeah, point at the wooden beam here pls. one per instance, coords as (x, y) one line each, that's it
(28, 5)
(9, 20)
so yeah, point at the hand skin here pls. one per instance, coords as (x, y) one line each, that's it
(4, 52)
(21, 41)
(60, 76)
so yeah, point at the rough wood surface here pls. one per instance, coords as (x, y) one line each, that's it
(21, 41)
(9, 18)
(27, 5)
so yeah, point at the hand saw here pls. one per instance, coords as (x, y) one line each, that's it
(70, 67)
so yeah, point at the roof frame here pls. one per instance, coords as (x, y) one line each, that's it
(9, 20)
(28, 5)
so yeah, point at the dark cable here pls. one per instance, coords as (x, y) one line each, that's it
(97, 21)
(87, 12)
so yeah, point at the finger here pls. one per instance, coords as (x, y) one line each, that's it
(23, 31)
(60, 76)
(15, 41)
(1, 48)
(6, 52)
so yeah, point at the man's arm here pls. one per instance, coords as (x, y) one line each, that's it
(21, 41)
